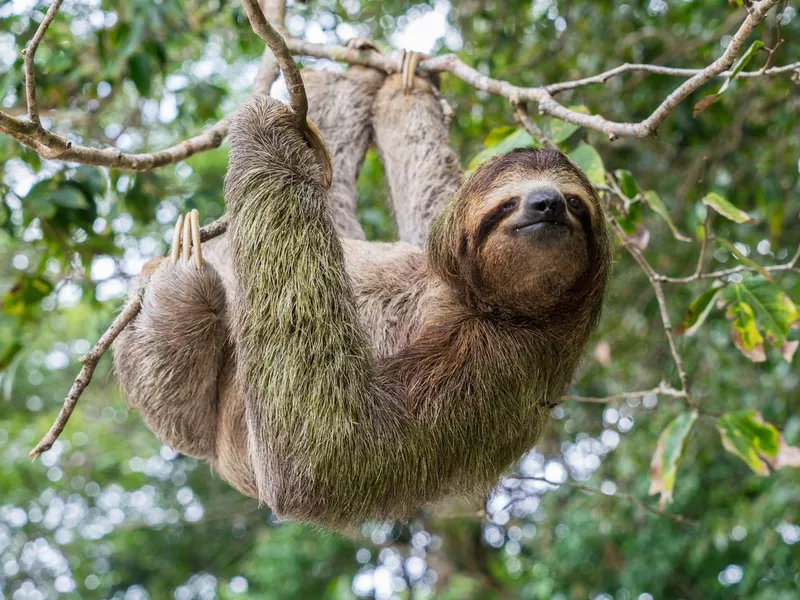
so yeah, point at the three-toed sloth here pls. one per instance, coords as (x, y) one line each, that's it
(340, 380)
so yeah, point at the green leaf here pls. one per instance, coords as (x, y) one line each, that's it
(518, 139)
(698, 311)
(497, 135)
(38, 202)
(744, 260)
(775, 312)
(654, 201)
(726, 209)
(69, 196)
(25, 295)
(741, 64)
(758, 443)
(737, 68)
(630, 219)
(744, 331)
(589, 161)
(560, 131)
(140, 69)
(8, 350)
(667, 457)
(627, 183)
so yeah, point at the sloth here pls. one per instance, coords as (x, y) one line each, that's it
(339, 380)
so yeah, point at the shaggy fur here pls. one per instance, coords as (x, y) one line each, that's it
(349, 380)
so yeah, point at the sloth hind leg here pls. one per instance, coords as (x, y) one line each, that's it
(169, 358)
(340, 104)
(411, 125)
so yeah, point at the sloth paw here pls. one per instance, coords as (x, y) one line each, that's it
(362, 43)
(186, 239)
(408, 68)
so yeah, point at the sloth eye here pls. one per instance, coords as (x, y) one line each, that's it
(509, 205)
(575, 203)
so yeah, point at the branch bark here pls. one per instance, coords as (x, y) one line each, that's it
(53, 146)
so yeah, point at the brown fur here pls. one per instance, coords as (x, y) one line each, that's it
(367, 379)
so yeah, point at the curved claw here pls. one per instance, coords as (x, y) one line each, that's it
(185, 237)
(320, 148)
(198, 253)
(408, 68)
(176, 240)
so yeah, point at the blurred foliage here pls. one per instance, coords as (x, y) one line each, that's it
(110, 513)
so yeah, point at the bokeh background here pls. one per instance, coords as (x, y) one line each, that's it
(111, 513)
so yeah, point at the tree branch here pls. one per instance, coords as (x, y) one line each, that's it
(53, 146)
(28, 55)
(662, 390)
(291, 73)
(621, 495)
(603, 77)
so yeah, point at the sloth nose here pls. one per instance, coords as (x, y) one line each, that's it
(546, 204)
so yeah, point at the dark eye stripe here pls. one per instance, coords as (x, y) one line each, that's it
(493, 219)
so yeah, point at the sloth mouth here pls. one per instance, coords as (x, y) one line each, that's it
(541, 225)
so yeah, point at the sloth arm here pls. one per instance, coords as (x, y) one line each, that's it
(168, 359)
(411, 133)
(335, 435)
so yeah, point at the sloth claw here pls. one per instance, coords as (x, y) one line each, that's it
(186, 237)
(408, 67)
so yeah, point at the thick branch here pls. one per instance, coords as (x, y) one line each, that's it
(53, 146)
(542, 95)
(275, 12)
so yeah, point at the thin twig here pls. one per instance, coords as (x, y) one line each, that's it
(532, 128)
(28, 54)
(90, 360)
(602, 78)
(791, 265)
(662, 390)
(621, 495)
(652, 276)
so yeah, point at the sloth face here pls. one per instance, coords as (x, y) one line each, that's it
(530, 223)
